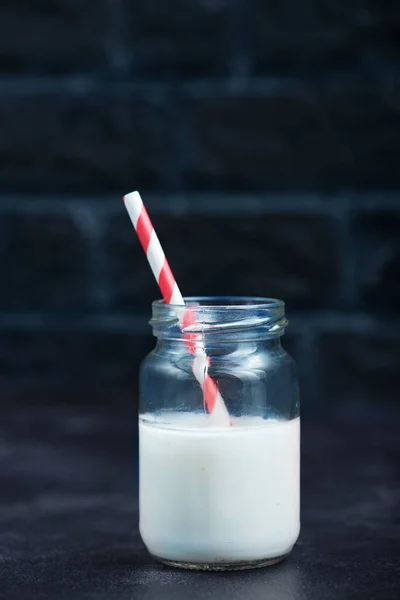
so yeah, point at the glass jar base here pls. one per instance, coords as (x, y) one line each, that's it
(223, 566)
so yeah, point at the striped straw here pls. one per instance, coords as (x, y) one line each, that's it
(213, 400)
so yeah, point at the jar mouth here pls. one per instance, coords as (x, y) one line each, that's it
(227, 302)
(220, 315)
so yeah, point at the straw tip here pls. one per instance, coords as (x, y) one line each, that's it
(134, 193)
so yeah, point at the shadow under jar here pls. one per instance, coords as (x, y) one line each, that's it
(216, 496)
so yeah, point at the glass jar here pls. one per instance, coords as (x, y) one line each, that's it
(219, 495)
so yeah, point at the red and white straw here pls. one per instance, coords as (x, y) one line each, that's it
(213, 400)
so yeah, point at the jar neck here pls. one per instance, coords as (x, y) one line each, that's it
(217, 347)
(219, 320)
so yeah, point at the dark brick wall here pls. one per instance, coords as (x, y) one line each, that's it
(265, 137)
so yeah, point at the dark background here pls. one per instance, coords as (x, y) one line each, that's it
(265, 139)
(264, 136)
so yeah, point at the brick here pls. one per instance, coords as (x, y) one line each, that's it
(71, 360)
(61, 36)
(295, 136)
(360, 367)
(294, 345)
(289, 256)
(43, 262)
(81, 365)
(70, 142)
(378, 258)
(290, 343)
(180, 38)
(293, 37)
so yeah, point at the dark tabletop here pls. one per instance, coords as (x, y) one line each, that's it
(69, 513)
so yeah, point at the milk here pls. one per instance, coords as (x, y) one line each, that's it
(213, 495)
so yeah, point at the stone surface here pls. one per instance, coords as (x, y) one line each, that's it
(289, 256)
(43, 263)
(69, 513)
(72, 142)
(378, 259)
(360, 368)
(63, 359)
(57, 36)
(296, 134)
(181, 38)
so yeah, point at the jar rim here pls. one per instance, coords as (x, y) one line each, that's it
(226, 302)
(220, 315)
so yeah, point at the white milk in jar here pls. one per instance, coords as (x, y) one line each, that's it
(219, 495)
